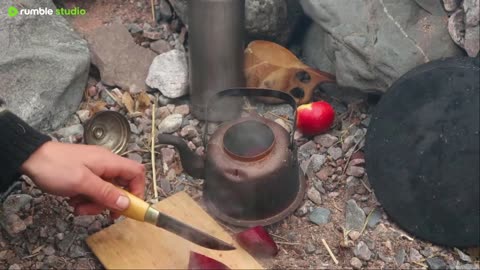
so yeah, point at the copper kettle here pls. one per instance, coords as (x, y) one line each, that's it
(251, 170)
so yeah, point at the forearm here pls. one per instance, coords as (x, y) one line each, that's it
(17, 142)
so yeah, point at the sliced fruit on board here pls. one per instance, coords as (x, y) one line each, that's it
(257, 242)
(199, 262)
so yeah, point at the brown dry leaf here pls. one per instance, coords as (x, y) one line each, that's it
(127, 100)
(261, 51)
(269, 65)
(96, 106)
(144, 101)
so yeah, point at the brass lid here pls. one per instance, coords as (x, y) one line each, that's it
(108, 129)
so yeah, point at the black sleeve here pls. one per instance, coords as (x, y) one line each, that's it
(18, 141)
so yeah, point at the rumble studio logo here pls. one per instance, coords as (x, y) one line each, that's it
(76, 11)
(12, 11)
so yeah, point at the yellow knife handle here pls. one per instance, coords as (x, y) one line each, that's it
(137, 207)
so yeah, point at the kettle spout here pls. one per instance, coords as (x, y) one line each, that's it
(193, 164)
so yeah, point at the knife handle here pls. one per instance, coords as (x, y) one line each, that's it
(137, 207)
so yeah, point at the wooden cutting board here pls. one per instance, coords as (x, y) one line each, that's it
(136, 245)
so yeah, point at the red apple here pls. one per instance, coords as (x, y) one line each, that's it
(315, 117)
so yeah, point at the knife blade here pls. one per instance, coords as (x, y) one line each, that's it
(143, 211)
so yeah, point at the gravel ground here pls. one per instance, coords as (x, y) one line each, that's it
(40, 231)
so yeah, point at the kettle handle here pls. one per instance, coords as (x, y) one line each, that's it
(253, 92)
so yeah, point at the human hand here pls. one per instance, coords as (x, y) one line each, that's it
(87, 174)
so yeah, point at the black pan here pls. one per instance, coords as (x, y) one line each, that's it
(422, 152)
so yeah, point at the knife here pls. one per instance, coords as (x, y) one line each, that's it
(142, 211)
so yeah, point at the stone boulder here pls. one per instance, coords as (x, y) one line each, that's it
(464, 24)
(370, 44)
(44, 65)
(272, 20)
(119, 59)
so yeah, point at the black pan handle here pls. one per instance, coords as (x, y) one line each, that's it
(253, 92)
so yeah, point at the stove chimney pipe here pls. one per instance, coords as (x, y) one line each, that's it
(216, 48)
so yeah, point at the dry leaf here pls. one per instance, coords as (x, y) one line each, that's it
(128, 102)
(269, 65)
(97, 106)
(143, 101)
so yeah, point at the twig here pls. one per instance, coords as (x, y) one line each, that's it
(279, 237)
(366, 221)
(288, 243)
(365, 185)
(402, 235)
(286, 119)
(336, 207)
(330, 251)
(421, 264)
(153, 12)
(154, 170)
(114, 98)
(137, 150)
(350, 157)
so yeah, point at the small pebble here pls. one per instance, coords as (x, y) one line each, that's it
(135, 157)
(374, 218)
(325, 140)
(355, 217)
(335, 152)
(310, 248)
(356, 263)
(303, 210)
(316, 162)
(95, 227)
(464, 257)
(347, 143)
(325, 172)
(314, 195)
(355, 171)
(14, 267)
(362, 251)
(189, 132)
(354, 235)
(83, 115)
(415, 255)
(49, 250)
(92, 91)
(182, 109)
(168, 155)
(320, 216)
(436, 263)
(83, 221)
(400, 256)
(14, 203)
(13, 224)
(170, 124)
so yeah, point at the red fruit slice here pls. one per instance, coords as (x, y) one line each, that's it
(257, 242)
(200, 262)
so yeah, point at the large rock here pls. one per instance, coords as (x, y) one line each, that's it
(464, 25)
(43, 65)
(169, 74)
(119, 59)
(272, 20)
(370, 44)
